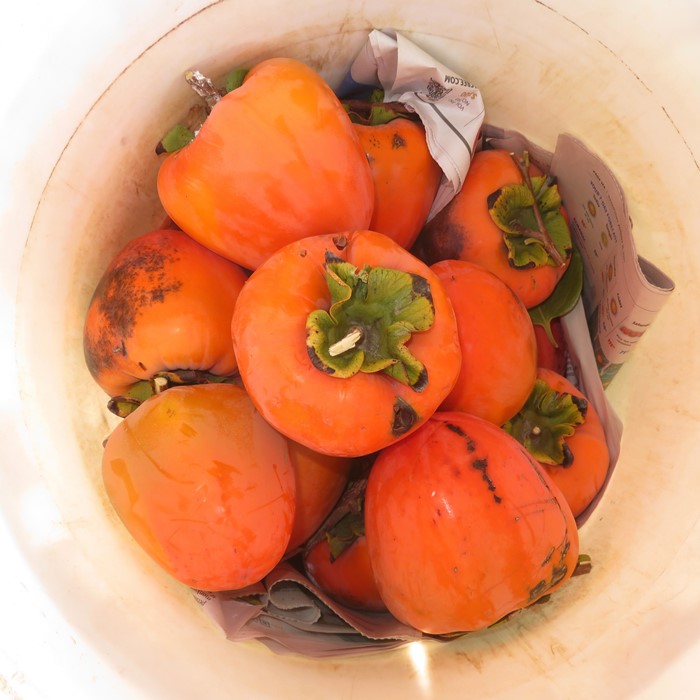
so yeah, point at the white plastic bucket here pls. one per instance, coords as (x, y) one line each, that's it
(92, 87)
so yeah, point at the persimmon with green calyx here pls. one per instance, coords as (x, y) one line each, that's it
(345, 343)
(463, 527)
(203, 484)
(277, 159)
(336, 559)
(163, 305)
(406, 177)
(563, 432)
(508, 218)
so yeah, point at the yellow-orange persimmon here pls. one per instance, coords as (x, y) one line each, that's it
(277, 159)
(203, 484)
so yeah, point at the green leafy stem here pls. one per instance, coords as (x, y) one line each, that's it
(529, 214)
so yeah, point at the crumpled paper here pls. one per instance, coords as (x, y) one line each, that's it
(450, 107)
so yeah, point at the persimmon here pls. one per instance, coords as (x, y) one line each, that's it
(345, 343)
(497, 338)
(405, 175)
(164, 303)
(347, 576)
(276, 160)
(463, 527)
(336, 558)
(320, 481)
(203, 484)
(508, 219)
(563, 431)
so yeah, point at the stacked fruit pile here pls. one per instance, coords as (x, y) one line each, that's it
(309, 370)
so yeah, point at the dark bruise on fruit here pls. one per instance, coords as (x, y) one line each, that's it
(122, 294)
(538, 590)
(548, 558)
(398, 141)
(340, 241)
(440, 241)
(421, 287)
(456, 429)
(559, 571)
(405, 417)
(479, 463)
(482, 466)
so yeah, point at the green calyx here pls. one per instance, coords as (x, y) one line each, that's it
(235, 79)
(182, 134)
(380, 112)
(122, 406)
(344, 533)
(543, 423)
(372, 315)
(529, 214)
(374, 111)
(178, 137)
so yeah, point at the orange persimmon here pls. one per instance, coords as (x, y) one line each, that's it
(406, 178)
(491, 221)
(345, 343)
(562, 430)
(277, 159)
(336, 558)
(463, 527)
(164, 303)
(499, 350)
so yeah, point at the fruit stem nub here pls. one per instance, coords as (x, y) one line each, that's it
(347, 342)
(204, 87)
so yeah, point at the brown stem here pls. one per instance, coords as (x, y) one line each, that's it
(544, 239)
(541, 234)
(204, 87)
(350, 502)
